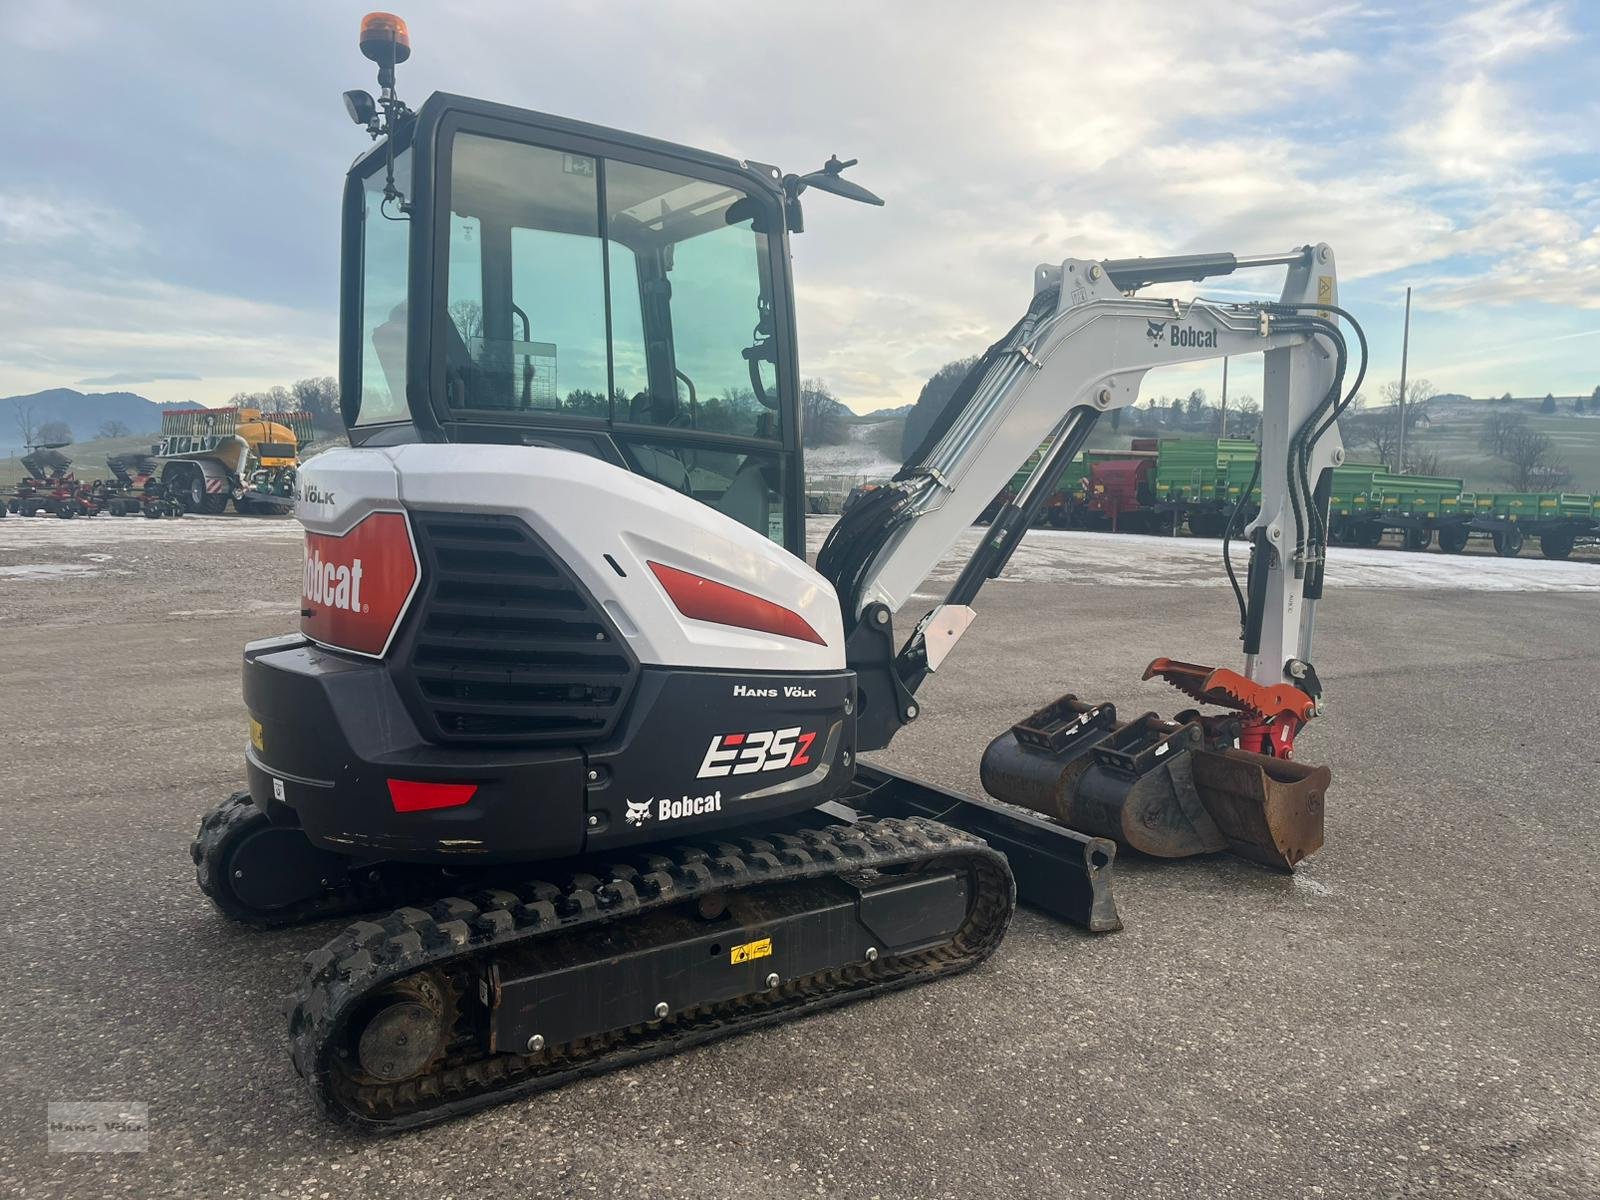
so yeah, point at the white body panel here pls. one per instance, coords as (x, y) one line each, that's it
(585, 509)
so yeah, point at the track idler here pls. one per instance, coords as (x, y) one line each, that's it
(1155, 786)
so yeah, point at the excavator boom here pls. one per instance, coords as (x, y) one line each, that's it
(1082, 349)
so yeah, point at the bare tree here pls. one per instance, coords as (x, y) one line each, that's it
(1419, 394)
(1351, 419)
(467, 316)
(1532, 463)
(1380, 430)
(821, 414)
(1244, 415)
(54, 431)
(1424, 462)
(27, 427)
(113, 429)
(1498, 431)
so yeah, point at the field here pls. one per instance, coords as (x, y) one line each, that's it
(1408, 1015)
(1454, 435)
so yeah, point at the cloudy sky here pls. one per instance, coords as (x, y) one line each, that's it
(170, 172)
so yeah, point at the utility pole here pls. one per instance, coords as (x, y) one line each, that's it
(1223, 432)
(1405, 350)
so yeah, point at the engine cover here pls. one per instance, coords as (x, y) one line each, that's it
(623, 537)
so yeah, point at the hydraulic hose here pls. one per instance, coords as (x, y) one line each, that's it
(1227, 540)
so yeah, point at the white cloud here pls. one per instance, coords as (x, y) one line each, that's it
(42, 221)
(1475, 132)
(107, 325)
(1505, 30)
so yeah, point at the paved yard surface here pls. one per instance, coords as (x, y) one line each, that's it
(1413, 1014)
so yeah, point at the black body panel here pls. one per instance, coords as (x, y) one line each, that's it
(661, 753)
(331, 731)
(592, 982)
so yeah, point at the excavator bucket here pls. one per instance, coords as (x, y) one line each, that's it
(1152, 785)
(1268, 809)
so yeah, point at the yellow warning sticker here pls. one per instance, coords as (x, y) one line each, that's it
(256, 737)
(750, 951)
(1324, 289)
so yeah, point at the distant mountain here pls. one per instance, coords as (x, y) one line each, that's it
(84, 413)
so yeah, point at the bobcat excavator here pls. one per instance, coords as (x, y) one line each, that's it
(557, 611)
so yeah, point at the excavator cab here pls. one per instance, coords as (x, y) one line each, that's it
(519, 278)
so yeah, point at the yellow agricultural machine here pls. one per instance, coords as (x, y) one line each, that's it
(212, 455)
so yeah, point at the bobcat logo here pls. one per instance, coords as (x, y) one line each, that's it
(1154, 330)
(639, 811)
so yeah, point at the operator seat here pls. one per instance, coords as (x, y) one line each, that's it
(746, 499)
(661, 465)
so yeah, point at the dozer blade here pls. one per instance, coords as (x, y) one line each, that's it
(1268, 809)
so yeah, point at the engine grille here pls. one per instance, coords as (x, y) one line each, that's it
(506, 644)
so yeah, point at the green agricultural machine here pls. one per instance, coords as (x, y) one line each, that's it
(1162, 486)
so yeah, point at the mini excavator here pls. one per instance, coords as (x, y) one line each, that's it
(567, 700)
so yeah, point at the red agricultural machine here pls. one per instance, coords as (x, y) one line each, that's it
(51, 488)
(135, 488)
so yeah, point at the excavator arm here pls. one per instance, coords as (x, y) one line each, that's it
(1082, 350)
(1168, 787)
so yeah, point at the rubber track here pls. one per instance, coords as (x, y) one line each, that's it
(454, 932)
(227, 825)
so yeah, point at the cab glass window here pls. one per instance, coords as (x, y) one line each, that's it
(385, 240)
(691, 304)
(526, 289)
(745, 486)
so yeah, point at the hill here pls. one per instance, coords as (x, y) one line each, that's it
(1455, 434)
(84, 412)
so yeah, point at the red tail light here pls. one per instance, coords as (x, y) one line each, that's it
(358, 584)
(409, 795)
(708, 600)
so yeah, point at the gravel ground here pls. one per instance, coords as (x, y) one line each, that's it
(1412, 1014)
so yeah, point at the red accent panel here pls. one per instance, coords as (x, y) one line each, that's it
(408, 795)
(356, 586)
(708, 600)
(733, 739)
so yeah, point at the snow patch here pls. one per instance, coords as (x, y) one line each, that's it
(859, 455)
(25, 532)
(47, 570)
(283, 606)
(1066, 556)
